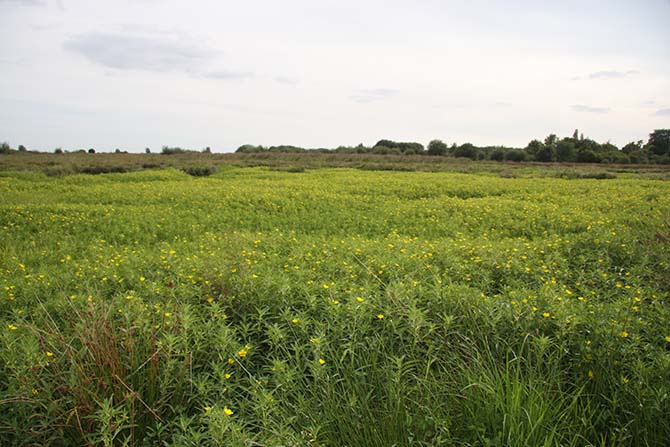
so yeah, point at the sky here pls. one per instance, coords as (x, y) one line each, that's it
(132, 74)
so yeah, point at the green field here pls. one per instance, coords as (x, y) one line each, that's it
(334, 307)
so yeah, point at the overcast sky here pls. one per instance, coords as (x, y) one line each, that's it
(132, 74)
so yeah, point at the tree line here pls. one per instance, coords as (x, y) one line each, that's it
(572, 149)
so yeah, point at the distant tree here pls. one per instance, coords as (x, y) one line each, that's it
(608, 147)
(147, 150)
(382, 150)
(207, 150)
(401, 146)
(659, 142)
(117, 151)
(467, 150)
(437, 147)
(575, 135)
(639, 156)
(565, 150)
(552, 139)
(22, 148)
(547, 153)
(250, 149)
(58, 150)
(91, 151)
(498, 154)
(633, 146)
(361, 149)
(5, 148)
(452, 149)
(587, 155)
(533, 148)
(516, 155)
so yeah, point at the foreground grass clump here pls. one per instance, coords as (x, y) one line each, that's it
(333, 307)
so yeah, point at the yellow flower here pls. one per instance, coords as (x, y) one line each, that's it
(228, 376)
(242, 353)
(228, 411)
(667, 338)
(590, 374)
(359, 299)
(210, 300)
(208, 409)
(380, 316)
(295, 321)
(322, 362)
(231, 361)
(624, 334)
(546, 315)
(49, 354)
(11, 327)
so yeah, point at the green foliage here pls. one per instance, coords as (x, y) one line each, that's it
(200, 171)
(516, 155)
(416, 148)
(5, 148)
(437, 147)
(467, 150)
(166, 150)
(659, 142)
(498, 154)
(565, 151)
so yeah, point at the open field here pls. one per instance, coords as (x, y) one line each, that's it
(501, 305)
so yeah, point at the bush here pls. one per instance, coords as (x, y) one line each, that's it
(467, 150)
(114, 169)
(498, 154)
(200, 171)
(437, 147)
(587, 156)
(516, 155)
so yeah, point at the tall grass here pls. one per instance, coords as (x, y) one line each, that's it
(333, 307)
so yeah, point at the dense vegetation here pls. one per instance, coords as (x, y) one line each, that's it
(333, 307)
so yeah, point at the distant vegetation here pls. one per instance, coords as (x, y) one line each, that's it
(572, 149)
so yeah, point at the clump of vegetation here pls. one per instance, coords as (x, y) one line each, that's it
(200, 171)
(104, 169)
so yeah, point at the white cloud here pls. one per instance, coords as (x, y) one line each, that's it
(611, 74)
(590, 109)
(140, 52)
